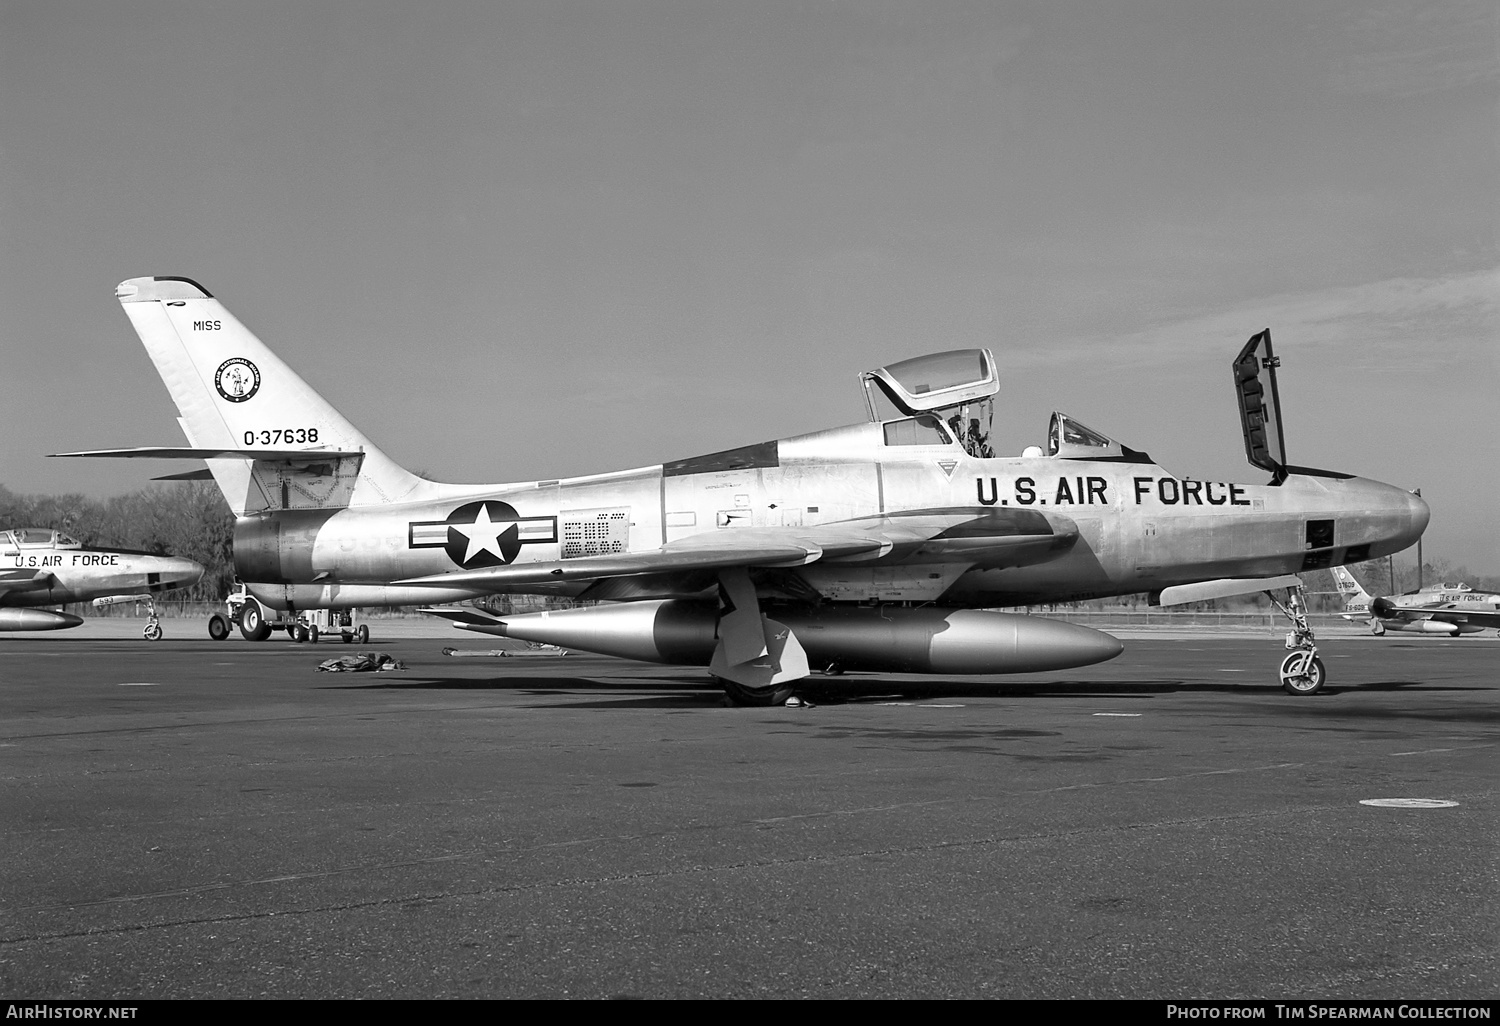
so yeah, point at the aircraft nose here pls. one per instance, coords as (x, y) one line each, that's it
(1419, 512)
(180, 572)
(1405, 516)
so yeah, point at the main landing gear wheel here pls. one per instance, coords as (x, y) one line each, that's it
(362, 634)
(739, 694)
(1302, 673)
(1378, 629)
(218, 627)
(253, 623)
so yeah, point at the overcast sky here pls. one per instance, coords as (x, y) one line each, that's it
(514, 240)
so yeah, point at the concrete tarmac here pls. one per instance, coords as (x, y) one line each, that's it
(198, 819)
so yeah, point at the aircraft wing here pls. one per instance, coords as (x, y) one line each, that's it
(19, 580)
(992, 538)
(188, 453)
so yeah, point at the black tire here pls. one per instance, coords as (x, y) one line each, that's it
(362, 634)
(773, 694)
(1309, 684)
(218, 627)
(347, 636)
(253, 623)
(152, 632)
(312, 634)
(298, 633)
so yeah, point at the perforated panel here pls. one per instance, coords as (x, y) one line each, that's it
(595, 532)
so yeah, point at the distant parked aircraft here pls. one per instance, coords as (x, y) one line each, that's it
(43, 567)
(1445, 609)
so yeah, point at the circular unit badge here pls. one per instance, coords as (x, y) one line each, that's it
(237, 379)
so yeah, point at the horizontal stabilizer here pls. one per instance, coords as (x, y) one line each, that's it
(183, 453)
(1225, 588)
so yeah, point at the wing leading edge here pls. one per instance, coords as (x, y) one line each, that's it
(965, 536)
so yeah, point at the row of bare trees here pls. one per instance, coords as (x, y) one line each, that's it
(184, 519)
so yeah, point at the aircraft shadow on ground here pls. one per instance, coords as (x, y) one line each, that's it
(645, 692)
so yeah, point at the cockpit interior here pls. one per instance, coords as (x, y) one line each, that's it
(936, 399)
(943, 398)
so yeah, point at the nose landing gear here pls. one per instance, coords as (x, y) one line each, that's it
(152, 630)
(1302, 672)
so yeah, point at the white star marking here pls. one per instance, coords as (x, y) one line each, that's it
(484, 534)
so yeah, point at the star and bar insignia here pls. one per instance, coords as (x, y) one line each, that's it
(481, 534)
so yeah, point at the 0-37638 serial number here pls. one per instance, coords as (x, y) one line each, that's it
(274, 436)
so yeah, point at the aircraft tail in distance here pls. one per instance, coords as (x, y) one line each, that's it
(1357, 601)
(1349, 585)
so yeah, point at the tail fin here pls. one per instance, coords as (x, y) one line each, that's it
(1349, 586)
(234, 393)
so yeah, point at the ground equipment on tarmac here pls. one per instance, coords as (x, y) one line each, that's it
(257, 622)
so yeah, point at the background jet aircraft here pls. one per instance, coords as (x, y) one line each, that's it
(881, 546)
(1450, 610)
(43, 567)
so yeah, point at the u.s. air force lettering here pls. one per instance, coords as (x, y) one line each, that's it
(479, 534)
(237, 379)
(1094, 491)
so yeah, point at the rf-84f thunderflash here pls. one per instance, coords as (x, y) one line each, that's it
(883, 546)
(43, 567)
(1444, 610)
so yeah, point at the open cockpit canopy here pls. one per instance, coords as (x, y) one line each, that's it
(930, 398)
(38, 537)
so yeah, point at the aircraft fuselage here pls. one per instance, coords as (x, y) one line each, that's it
(1118, 526)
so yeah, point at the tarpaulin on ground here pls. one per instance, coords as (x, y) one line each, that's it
(364, 662)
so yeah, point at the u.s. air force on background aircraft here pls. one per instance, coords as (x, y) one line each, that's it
(1446, 610)
(43, 567)
(883, 546)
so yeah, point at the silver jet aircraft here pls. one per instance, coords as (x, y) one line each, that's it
(1447, 610)
(43, 567)
(882, 546)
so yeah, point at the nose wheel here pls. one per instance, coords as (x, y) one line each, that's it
(1301, 672)
(152, 631)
